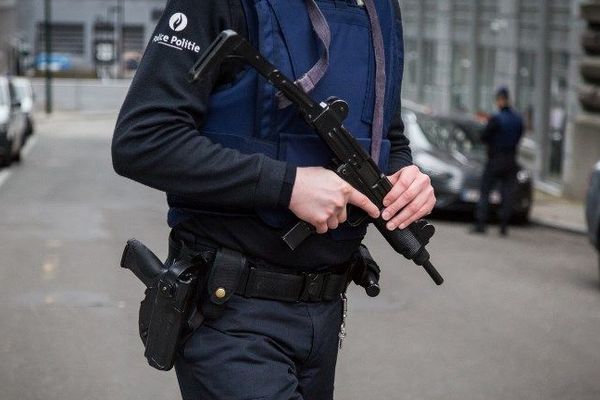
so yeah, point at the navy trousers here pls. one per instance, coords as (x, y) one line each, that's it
(507, 181)
(262, 349)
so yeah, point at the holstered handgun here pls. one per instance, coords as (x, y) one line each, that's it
(168, 311)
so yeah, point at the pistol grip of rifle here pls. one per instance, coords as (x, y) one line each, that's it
(298, 234)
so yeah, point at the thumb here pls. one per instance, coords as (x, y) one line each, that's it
(360, 200)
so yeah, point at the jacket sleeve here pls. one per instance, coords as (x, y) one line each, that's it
(490, 130)
(156, 140)
(400, 154)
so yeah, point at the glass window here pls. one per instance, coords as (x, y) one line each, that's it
(558, 110)
(526, 88)
(66, 38)
(410, 61)
(485, 76)
(461, 68)
(429, 62)
(3, 92)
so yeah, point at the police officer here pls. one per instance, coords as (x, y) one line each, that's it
(501, 135)
(240, 167)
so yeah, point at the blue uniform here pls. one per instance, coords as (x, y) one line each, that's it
(226, 155)
(502, 136)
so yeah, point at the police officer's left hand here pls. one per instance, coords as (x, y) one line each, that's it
(412, 195)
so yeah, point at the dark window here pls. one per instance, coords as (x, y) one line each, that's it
(133, 35)
(66, 38)
(156, 13)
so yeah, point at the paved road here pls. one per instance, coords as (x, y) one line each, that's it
(518, 318)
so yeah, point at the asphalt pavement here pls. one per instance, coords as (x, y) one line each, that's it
(517, 318)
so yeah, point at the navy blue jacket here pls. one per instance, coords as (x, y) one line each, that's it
(157, 142)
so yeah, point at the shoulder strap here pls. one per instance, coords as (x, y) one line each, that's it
(309, 80)
(380, 80)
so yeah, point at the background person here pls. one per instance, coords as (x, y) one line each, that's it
(501, 135)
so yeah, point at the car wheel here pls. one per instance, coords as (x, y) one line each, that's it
(17, 157)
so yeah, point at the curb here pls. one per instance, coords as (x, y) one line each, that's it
(558, 227)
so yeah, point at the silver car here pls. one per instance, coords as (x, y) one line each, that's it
(24, 95)
(592, 211)
(12, 123)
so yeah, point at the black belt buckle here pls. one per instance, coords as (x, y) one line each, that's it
(313, 287)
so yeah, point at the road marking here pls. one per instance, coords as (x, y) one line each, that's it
(4, 174)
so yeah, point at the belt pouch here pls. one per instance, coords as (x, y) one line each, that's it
(222, 282)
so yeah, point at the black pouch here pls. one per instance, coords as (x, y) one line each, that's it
(222, 281)
(366, 272)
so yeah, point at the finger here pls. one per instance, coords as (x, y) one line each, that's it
(363, 202)
(419, 185)
(395, 176)
(332, 222)
(405, 178)
(321, 226)
(343, 215)
(412, 210)
(424, 211)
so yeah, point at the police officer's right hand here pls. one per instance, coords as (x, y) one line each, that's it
(319, 197)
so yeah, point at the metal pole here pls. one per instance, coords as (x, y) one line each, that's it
(48, 36)
(120, 41)
(542, 92)
(473, 79)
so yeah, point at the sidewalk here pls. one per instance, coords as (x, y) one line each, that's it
(558, 213)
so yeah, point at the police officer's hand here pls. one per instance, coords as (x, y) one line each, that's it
(319, 197)
(410, 199)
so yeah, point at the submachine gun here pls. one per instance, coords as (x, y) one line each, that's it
(349, 159)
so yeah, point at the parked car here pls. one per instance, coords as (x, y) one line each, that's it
(24, 94)
(448, 149)
(12, 123)
(592, 209)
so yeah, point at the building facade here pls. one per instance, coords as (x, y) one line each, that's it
(458, 51)
(77, 28)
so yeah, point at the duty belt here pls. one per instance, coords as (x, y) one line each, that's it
(262, 281)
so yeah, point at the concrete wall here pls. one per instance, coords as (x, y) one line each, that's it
(7, 29)
(82, 95)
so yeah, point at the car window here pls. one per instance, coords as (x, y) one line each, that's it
(20, 92)
(450, 136)
(4, 99)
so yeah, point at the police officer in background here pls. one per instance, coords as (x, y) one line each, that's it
(239, 167)
(501, 135)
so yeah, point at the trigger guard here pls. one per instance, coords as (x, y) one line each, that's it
(362, 217)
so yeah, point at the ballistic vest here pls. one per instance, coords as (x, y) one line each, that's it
(245, 115)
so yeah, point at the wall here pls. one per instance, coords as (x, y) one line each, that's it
(82, 95)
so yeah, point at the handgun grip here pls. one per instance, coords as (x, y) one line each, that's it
(141, 261)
